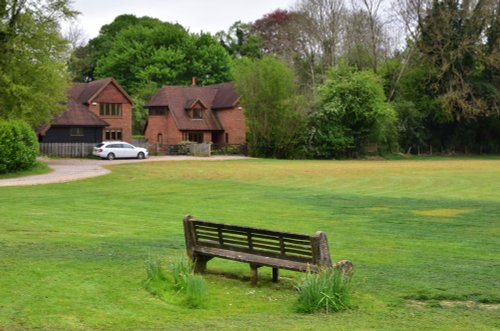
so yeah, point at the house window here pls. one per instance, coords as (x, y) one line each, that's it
(197, 113)
(196, 137)
(76, 132)
(227, 137)
(113, 134)
(158, 111)
(110, 109)
(159, 139)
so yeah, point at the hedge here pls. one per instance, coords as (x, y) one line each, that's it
(18, 146)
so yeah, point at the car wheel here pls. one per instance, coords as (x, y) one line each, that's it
(111, 156)
(140, 156)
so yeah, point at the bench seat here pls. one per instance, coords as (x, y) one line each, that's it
(257, 260)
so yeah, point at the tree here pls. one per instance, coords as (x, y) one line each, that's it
(143, 54)
(84, 59)
(33, 77)
(273, 108)
(352, 114)
(240, 41)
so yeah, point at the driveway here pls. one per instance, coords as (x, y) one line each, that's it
(67, 170)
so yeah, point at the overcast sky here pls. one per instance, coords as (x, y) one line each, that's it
(195, 15)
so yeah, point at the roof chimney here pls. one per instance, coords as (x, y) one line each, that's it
(193, 81)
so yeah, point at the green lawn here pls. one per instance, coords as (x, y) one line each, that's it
(38, 169)
(421, 234)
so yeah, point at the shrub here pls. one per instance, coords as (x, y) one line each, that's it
(352, 114)
(326, 291)
(18, 146)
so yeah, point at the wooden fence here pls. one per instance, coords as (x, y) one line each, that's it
(202, 149)
(67, 149)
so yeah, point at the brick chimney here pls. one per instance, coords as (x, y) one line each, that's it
(193, 81)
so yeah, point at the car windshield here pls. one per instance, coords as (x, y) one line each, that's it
(99, 145)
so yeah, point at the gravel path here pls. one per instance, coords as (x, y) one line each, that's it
(67, 170)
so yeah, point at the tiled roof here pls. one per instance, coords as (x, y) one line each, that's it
(180, 98)
(80, 95)
(226, 97)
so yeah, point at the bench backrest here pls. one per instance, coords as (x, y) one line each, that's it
(283, 245)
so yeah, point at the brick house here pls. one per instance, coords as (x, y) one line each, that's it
(96, 111)
(209, 113)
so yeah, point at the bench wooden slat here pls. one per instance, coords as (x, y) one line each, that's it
(258, 260)
(253, 230)
(242, 249)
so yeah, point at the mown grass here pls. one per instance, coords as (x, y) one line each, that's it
(38, 169)
(72, 254)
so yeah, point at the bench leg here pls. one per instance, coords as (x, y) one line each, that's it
(200, 263)
(276, 275)
(254, 274)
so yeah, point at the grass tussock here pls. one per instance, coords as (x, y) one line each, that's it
(326, 291)
(181, 281)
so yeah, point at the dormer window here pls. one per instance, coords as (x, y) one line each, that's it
(197, 113)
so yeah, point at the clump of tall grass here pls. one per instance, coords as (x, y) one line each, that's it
(181, 269)
(196, 291)
(156, 280)
(326, 291)
(185, 281)
(190, 287)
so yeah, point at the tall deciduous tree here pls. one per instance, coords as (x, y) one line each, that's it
(33, 75)
(240, 40)
(273, 108)
(143, 54)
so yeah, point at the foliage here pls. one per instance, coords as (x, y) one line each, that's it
(274, 110)
(352, 114)
(18, 146)
(326, 291)
(143, 54)
(240, 41)
(451, 42)
(227, 150)
(33, 77)
(445, 84)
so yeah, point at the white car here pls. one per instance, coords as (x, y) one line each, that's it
(118, 149)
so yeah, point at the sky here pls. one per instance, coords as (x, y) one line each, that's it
(196, 15)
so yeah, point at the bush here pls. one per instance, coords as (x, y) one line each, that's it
(326, 291)
(18, 146)
(352, 114)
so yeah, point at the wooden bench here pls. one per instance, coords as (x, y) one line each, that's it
(258, 247)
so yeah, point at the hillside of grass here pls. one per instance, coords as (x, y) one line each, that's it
(423, 236)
